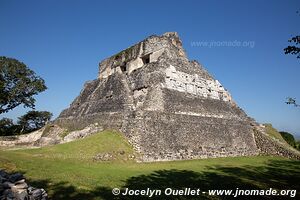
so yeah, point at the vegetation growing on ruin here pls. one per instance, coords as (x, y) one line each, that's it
(274, 133)
(126, 52)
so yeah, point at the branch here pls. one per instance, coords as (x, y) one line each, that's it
(292, 101)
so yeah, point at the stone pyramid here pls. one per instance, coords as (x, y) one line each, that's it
(168, 107)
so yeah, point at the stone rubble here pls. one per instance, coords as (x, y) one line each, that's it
(271, 146)
(89, 130)
(14, 187)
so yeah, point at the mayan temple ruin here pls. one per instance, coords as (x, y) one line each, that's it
(167, 106)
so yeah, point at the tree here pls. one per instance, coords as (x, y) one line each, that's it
(289, 138)
(295, 49)
(5, 126)
(292, 101)
(18, 84)
(33, 120)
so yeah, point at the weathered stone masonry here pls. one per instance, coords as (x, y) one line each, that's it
(167, 106)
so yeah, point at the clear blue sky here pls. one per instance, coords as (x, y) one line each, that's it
(63, 42)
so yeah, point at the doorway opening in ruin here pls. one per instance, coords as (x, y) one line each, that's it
(146, 59)
(123, 68)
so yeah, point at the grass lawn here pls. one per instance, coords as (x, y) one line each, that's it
(70, 171)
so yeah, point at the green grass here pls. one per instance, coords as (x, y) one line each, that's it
(68, 171)
(83, 150)
(274, 133)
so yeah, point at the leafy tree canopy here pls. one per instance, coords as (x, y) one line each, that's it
(289, 138)
(292, 101)
(294, 49)
(5, 126)
(34, 120)
(18, 84)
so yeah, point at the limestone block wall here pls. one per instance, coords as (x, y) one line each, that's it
(147, 51)
(107, 120)
(193, 84)
(164, 136)
(179, 102)
(129, 65)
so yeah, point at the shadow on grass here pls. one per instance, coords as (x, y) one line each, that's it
(275, 174)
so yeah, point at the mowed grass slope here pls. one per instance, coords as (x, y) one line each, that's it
(70, 171)
(271, 131)
(86, 149)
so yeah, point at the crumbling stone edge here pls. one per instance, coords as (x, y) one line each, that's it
(14, 187)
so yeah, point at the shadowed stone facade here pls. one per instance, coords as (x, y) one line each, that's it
(167, 106)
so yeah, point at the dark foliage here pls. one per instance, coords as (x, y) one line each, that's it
(34, 120)
(289, 138)
(294, 49)
(292, 101)
(18, 84)
(29, 122)
(7, 127)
